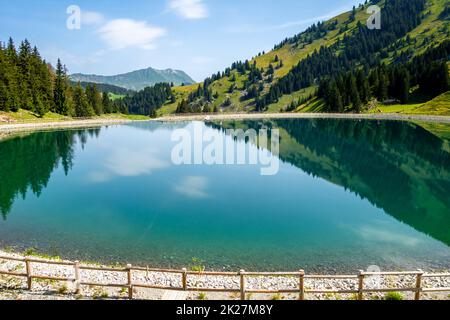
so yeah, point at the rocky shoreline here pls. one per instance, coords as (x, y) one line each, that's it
(262, 116)
(15, 287)
(19, 127)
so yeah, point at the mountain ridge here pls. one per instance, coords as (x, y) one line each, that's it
(138, 79)
(235, 89)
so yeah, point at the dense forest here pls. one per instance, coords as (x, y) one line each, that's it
(147, 101)
(28, 82)
(428, 72)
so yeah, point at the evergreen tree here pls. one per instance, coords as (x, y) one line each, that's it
(94, 99)
(40, 84)
(60, 90)
(24, 72)
(363, 86)
(12, 76)
(106, 103)
(4, 106)
(81, 104)
(354, 95)
(383, 84)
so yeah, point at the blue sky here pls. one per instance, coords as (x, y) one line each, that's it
(200, 37)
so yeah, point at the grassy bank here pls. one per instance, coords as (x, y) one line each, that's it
(25, 116)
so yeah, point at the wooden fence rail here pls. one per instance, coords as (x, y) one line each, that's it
(242, 275)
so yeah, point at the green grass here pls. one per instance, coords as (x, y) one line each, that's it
(439, 106)
(441, 130)
(32, 252)
(201, 296)
(286, 100)
(25, 116)
(394, 296)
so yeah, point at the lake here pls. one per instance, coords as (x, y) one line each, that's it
(348, 194)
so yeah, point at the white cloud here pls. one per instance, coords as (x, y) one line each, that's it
(189, 9)
(89, 18)
(125, 162)
(371, 233)
(124, 33)
(193, 187)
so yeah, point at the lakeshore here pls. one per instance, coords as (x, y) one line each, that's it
(62, 124)
(268, 116)
(12, 287)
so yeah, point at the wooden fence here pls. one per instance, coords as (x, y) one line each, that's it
(302, 291)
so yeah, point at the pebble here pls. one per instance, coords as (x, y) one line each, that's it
(174, 281)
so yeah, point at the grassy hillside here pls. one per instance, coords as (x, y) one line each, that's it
(432, 31)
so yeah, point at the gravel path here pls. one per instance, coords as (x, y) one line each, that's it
(244, 116)
(15, 288)
(16, 127)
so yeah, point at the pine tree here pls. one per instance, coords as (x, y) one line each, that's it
(106, 102)
(94, 99)
(363, 86)
(354, 95)
(81, 104)
(383, 85)
(12, 75)
(4, 106)
(59, 91)
(24, 66)
(40, 84)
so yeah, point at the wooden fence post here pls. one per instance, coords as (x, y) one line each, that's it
(76, 266)
(418, 284)
(184, 279)
(242, 284)
(360, 284)
(29, 273)
(302, 285)
(130, 285)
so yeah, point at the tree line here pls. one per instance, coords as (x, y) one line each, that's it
(148, 100)
(28, 82)
(348, 91)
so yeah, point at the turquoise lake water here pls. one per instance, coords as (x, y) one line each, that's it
(348, 194)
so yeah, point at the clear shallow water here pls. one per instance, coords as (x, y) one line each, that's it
(349, 194)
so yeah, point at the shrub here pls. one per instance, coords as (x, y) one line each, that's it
(393, 296)
(201, 296)
(63, 289)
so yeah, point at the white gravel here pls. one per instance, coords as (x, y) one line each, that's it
(15, 287)
(17, 127)
(257, 116)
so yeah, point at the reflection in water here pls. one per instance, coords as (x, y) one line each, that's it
(398, 166)
(28, 162)
(123, 197)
